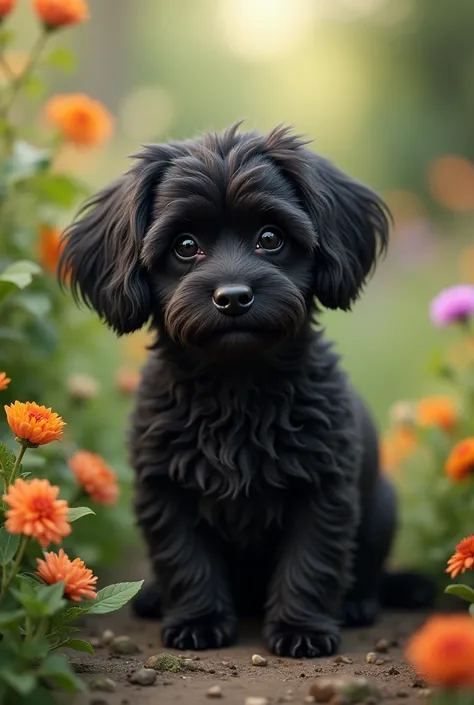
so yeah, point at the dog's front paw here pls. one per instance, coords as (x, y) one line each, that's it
(361, 611)
(298, 642)
(209, 632)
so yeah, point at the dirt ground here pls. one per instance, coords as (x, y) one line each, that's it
(280, 681)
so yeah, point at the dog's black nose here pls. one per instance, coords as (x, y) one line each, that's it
(233, 300)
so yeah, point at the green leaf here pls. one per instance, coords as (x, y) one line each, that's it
(20, 273)
(26, 161)
(6, 37)
(52, 595)
(114, 597)
(40, 696)
(462, 591)
(35, 86)
(61, 58)
(56, 669)
(31, 578)
(7, 461)
(8, 545)
(21, 683)
(57, 189)
(471, 610)
(38, 305)
(7, 619)
(79, 645)
(76, 513)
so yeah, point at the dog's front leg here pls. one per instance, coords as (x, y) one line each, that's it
(312, 573)
(198, 612)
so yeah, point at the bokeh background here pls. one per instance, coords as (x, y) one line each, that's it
(386, 90)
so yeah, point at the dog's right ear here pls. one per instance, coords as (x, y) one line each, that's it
(100, 255)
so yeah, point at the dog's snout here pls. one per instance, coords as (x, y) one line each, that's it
(234, 299)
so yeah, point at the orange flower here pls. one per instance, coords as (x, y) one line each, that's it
(442, 651)
(463, 559)
(460, 463)
(59, 13)
(33, 423)
(95, 476)
(437, 411)
(127, 380)
(49, 247)
(398, 445)
(81, 120)
(4, 381)
(79, 581)
(6, 6)
(35, 511)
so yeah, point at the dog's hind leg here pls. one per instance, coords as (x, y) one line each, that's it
(374, 541)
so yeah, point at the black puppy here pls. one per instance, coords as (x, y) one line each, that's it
(257, 477)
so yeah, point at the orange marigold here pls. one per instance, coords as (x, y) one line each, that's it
(437, 411)
(396, 447)
(463, 559)
(442, 651)
(95, 476)
(82, 120)
(34, 423)
(59, 13)
(79, 581)
(49, 247)
(460, 462)
(35, 511)
(4, 381)
(6, 6)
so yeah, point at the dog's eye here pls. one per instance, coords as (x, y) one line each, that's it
(186, 248)
(270, 239)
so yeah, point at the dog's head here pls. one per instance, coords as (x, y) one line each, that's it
(225, 241)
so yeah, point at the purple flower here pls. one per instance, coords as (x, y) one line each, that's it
(453, 305)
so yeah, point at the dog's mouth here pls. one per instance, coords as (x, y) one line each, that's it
(239, 338)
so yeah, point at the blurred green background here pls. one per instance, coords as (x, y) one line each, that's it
(385, 88)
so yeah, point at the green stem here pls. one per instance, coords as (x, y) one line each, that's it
(18, 460)
(19, 557)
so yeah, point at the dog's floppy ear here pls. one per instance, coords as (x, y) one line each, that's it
(352, 226)
(351, 222)
(101, 249)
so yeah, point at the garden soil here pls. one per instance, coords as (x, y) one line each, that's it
(236, 678)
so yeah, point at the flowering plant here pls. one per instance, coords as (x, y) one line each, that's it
(429, 448)
(50, 349)
(43, 593)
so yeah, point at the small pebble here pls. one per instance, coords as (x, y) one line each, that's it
(343, 659)
(252, 700)
(95, 642)
(107, 636)
(401, 694)
(258, 660)
(382, 646)
(215, 691)
(392, 671)
(309, 699)
(165, 663)
(123, 645)
(103, 684)
(418, 683)
(144, 676)
(425, 693)
(371, 657)
(347, 689)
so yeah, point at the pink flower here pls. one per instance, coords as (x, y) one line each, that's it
(453, 305)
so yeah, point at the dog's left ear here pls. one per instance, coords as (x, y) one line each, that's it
(350, 221)
(352, 228)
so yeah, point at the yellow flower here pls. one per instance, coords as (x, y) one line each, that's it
(33, 423)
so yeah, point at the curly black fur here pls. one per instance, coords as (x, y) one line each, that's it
(257, 480)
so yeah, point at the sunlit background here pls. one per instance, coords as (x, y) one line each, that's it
(385, 89)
